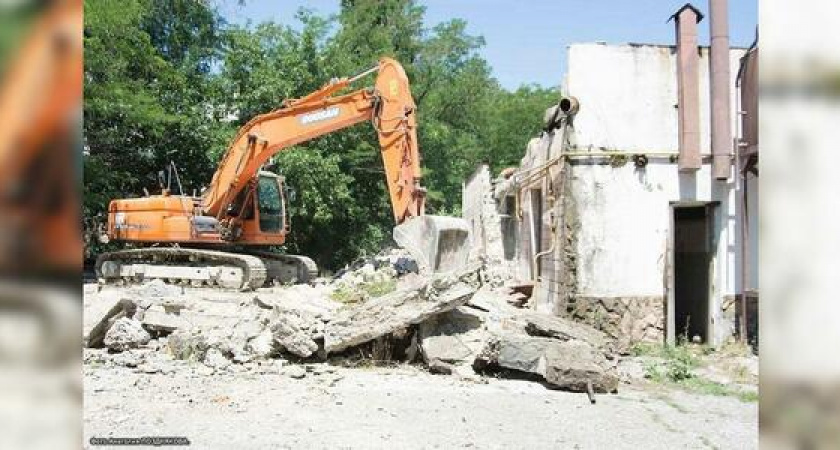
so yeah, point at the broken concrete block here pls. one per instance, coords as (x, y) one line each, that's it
(494, 301)
(156, 288)
(440, 367)
(293, 332)
(573, 364)
(293, 371)
(392, 312)
(156, 318)
(261, 346)
(130, 358)
(216, 359)
(563, 329)
(455, 336)
(116, 308)
(566, 365)
(187, 344)
(126, 333)
(515, 352)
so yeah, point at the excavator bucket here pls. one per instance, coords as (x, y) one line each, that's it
(438, 243)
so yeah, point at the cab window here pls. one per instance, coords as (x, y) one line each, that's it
(270, 204)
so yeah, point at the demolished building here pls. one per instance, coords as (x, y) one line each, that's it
(619, 214)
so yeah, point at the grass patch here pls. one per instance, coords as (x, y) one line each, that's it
(645, 349)
(679, 361)
(707, 387)
(733, 348)
(347, 294)
(350, 294)
(676, 368)
(380, 288)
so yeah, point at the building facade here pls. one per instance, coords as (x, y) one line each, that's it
(602, 221)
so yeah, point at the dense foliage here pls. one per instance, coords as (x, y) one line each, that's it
(170, 80)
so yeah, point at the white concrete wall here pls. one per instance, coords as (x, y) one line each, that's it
(628, 95)
(474, 191)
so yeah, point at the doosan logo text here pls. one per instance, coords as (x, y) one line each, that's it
(316, 116)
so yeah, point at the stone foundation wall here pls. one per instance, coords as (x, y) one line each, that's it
(628, 319)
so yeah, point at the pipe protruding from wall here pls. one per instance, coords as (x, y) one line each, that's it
(688, 87)
(567, 107)
(721, 108)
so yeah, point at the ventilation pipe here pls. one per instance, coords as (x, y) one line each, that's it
(720, 89)
(688, 85)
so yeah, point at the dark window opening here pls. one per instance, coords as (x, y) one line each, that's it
(509, 228)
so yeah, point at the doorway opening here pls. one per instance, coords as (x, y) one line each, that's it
(692, 284)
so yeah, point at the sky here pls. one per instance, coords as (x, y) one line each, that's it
(526, 40)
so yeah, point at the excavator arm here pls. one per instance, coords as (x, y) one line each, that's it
(388, 105)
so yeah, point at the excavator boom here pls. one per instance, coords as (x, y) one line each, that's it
(389, 106)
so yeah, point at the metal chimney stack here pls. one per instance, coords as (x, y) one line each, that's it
(720, 90)
(688, 84)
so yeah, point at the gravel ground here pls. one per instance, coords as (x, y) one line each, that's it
(402, 407)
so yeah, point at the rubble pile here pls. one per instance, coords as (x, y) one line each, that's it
(453, 323)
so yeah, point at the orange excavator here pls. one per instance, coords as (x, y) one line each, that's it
(221, 238)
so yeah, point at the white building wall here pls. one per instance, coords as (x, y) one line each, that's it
(628, 95)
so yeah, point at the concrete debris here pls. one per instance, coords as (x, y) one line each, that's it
(518, 294)
(187, 344)
(296, 372)
(566, 365)
(158, 319)
(454, 337)
(439, 244)
(396, 311)
(320, 369)
(294, 332)
(156, 288)
(455, 323)
(397, 260)
(262, 346)
(130, 358)
(215, 359)
(103, 318)
(563, 329)
(126, 334)
(313, 299)
(440, 367)
(572, 365)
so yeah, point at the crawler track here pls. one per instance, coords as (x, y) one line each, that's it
(184, 265)
(287, 268)
(198, 267)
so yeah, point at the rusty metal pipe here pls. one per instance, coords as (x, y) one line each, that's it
(720, 89)
(688, 87)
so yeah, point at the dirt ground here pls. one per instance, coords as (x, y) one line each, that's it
(268, 406)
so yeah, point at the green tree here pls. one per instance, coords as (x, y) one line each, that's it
(144, 104)
(171, 80)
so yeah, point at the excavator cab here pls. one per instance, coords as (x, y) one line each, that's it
(271, 204)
